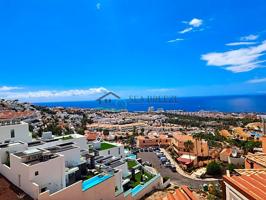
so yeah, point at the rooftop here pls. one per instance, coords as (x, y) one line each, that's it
(105, 145)
(250, 183)
(258, 158)
(182, 193)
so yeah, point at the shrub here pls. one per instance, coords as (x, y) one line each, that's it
(214, 168)
(231, 167)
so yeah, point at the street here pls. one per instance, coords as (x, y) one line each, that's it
(175, 177)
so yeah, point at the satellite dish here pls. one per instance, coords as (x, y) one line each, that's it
(234, 152)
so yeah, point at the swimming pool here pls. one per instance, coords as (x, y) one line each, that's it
(94, 181)
(132, 156)
(136, 189)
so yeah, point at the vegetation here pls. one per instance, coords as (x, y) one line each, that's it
(247, 146)
(231, 167)
(214, 168)
(105, 146)
(166, 178)
(197, 121)
(106, 132)
(189, 146)
(131, 164)
(67, 137)
(140, 178)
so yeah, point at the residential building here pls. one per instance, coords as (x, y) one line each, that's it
(151, 141)
(200, 147)
(62, 168)
(247, 184)
(14, 131)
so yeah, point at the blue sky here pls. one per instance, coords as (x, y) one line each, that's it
(76, 50)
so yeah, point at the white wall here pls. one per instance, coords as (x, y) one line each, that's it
(113, 152)
(124, 169)
(21, 132)
(51, 174)
(11, 148)
(71, 156)
(232, 194)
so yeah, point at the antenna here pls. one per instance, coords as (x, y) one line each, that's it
(234, 152)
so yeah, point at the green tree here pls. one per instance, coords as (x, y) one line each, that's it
(214, 168)
(231, 167)
(106, 132)
(189, 146)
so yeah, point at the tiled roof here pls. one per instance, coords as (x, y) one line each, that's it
(182, 193)
(249, 172)
(258, 158)
(226, 151)
(251, 185)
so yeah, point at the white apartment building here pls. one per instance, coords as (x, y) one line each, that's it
(14, 131)
(56, 168)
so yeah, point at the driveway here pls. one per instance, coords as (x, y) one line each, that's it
(175, 177)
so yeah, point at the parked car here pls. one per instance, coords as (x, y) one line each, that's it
(156, 151)
(160, 155)
(163, 159)
(167, 164)
(173, 168)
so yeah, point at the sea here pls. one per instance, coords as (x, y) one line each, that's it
(243, 103)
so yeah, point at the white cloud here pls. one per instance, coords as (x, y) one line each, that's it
(175, 40)
(196, 22)
(240, 60)
(193, 25)
(240, 43)
(257, 80)
(54, 93)
(186, 30)
(98, 6)
(9, 88)
(249, 37)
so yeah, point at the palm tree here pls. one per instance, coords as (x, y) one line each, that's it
(189, 146)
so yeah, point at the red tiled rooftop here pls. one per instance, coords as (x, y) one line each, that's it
(252, 186)
(91, 136)
(184, 160)
(182, 193)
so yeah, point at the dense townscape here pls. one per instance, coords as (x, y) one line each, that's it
(132, 155)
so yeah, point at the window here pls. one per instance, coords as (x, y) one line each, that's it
(36, 173)
(12, 133)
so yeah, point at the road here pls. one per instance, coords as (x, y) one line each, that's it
(175, 177)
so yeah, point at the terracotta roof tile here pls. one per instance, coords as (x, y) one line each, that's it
(252, 186)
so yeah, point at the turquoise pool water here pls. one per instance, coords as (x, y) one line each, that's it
(132, 156)
(136, 189)
(94, 181)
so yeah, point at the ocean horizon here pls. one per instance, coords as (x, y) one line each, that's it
(232, 103)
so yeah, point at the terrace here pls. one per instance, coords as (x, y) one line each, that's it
(92, 181)
(131, 164)
(105, 145)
